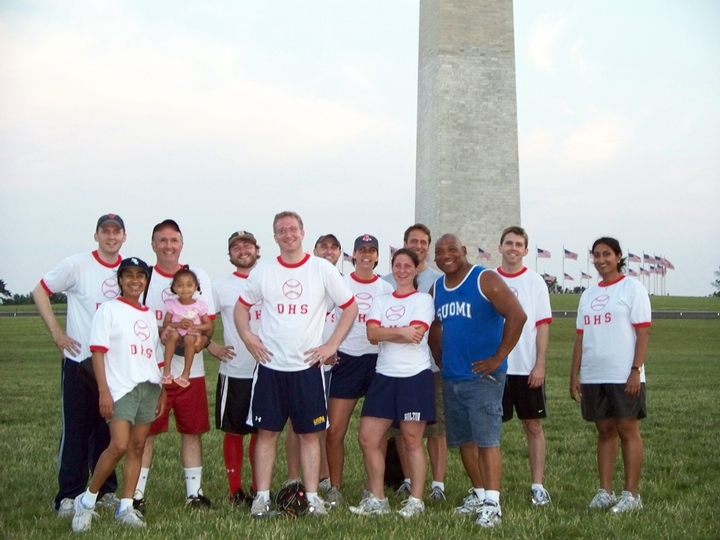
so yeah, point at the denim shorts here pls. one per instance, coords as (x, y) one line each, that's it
(473, 410)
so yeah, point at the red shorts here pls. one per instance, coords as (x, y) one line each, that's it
(190, 406)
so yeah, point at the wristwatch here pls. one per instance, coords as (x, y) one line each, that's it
(636, 368)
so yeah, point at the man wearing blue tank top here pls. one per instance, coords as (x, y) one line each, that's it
(478, 321)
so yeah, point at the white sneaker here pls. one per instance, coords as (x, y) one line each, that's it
(334, 497)
(325, 484)
(403, 490)
(371, 505)
(67, 508)
(317, 507)
(411, 507)
(540, 497)
(603, 499)
(290, 482)
(490, 515)
(109, 501)
(261, 508)
(130, 517)
(82, 520)
(437, 494)
(627, 503)
(366, 494)
(470, 505)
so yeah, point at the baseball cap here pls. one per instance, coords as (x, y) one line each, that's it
(170, 223)
(242, 235)
(325, 237)
(366, 239)
(133, 262)
(107, 218)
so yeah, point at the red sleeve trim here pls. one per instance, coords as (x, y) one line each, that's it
(212, 316)
(44, 286)
(642, 325)
(578, 331)
(373, 321)
(244, 302)
(106, 265)
(544, 321)
(98, 348)
(421, 323)
(346, 304)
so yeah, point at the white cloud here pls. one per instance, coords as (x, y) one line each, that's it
(598, 141)
(542, 40)
(578, 60)
(537, 144)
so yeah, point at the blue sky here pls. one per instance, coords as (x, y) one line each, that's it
(220, 114)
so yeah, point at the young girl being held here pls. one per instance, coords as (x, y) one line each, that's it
(185, 321)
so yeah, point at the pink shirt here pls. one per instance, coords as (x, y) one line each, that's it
(180, 311)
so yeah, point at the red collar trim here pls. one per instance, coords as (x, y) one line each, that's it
(241, 276)
(139, 307)
(106, 265)
(603, 284)
(396, 295)
(165, 274)
(353, 275)
(296, 265)
(506, 274)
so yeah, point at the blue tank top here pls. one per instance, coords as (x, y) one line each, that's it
(471, 326)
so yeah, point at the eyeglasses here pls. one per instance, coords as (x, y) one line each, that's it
(293, 230)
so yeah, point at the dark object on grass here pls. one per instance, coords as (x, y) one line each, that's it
(393, 469)
(291, 500)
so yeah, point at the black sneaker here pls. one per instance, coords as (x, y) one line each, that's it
(139, 502)
(240, 498)
(197, 501)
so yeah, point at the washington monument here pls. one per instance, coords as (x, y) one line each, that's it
(467, 179)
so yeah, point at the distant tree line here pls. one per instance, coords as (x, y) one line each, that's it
(9, 299)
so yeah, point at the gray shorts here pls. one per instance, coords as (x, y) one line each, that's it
(606, 401)
(473, 410)
(138, 405)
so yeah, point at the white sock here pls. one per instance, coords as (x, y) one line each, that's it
(142, 481)
(480, 492)
(492, 495)
(537, 486)
(125, 504)
(411, 498)
(441, 485)
(264, 495)
(193, 479)
(407, 481)
(88, 499)
(311, 495)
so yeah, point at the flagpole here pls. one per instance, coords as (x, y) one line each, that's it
(535, 257)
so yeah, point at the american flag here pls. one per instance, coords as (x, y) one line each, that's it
(632, 272)
(392, 251)
(590, 254)
(568, 277)
(644, 272)
(548, 277)
(543, 253)
(482, 254)
(667, 264)
(583, 275)
(570, 255)
(649, 259)
(634, 258)
(347, 258)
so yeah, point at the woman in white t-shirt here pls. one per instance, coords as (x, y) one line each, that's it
(607, 375)
(123, 342)
(403, 389)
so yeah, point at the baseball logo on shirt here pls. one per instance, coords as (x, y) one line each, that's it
(110, 288)
(142, 330)
(292, 289)
(600, 302)
(167, 294)
(395, 313)
(364, 300)
(514, 291)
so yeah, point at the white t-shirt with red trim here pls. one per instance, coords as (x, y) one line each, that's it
(607, 318)
(88, 282)
(294, 299)
(158, 292)
(128, 336)
(393, 311)
(356, 343)
(532, 293)
(225, 295)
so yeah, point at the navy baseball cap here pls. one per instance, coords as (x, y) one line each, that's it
(366, 240)
(325, 237)
(110, 218)
(170, 223)
(131, 262)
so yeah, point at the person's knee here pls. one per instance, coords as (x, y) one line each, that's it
(533, 427)
(118, 447)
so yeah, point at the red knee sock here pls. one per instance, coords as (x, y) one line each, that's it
(233, 454)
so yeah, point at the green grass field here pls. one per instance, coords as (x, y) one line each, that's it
(680, 482)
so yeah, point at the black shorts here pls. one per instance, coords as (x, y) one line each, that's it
(352, 375)
(232, 403)
(528, 402)
(402, 398)
(606, 401)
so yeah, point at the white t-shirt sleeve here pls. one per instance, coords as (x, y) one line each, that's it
(60, 279)
(100, 329)
(424, 311)
(640, 308)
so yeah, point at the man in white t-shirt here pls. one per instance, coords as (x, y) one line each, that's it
(88, 280)
(417, 237)
(293, 291)
(235, 374)
(189, 404)
(525, 382)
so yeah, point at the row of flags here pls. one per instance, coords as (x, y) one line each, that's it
(652, 260)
